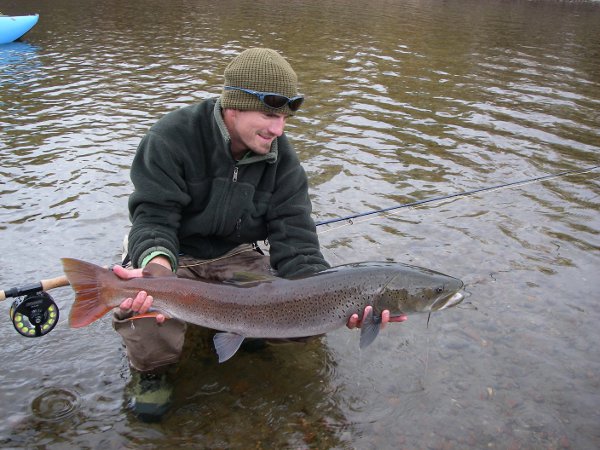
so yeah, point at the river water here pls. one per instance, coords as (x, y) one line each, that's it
(406, 101)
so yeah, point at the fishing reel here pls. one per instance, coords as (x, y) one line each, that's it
(35, 314)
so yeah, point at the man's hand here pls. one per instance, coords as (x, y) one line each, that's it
(353, 322)
(142, 301)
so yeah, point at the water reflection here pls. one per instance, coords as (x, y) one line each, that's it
(405, 101)
(215, 407)
(19, 63)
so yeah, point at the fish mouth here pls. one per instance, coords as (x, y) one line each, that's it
(448, 302)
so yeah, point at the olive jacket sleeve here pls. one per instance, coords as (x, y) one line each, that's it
(295, 249)
(159, 198)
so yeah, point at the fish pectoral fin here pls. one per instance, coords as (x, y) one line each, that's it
(227, 344)
(369, 329)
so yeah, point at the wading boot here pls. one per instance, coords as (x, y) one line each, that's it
(151, 395)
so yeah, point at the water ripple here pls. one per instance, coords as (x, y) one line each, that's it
(55, 404)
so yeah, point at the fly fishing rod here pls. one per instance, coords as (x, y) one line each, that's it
(459, 194)
(34, 313)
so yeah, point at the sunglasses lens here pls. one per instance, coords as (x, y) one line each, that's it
(296, 103)
(275, 101)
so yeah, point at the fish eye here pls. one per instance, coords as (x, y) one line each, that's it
(439, 289)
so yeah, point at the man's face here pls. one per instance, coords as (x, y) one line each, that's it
(253, 130)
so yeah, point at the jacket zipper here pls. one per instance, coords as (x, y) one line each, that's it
(238, 223)
(238, 227)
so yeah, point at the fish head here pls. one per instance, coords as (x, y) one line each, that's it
(418, 290)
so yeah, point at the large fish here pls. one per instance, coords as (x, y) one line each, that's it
(271, 307)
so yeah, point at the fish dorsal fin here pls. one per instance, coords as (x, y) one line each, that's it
(227, 344)
(154, 270)
(369, 329)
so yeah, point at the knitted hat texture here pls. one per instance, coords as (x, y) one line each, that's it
(258, 69)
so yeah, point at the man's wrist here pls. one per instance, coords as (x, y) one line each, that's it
(158, 257)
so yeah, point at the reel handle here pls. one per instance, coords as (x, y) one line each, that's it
(43, 285)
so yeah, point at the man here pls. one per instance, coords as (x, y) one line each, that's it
(210, 181)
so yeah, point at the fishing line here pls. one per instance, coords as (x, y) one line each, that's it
(349, 220)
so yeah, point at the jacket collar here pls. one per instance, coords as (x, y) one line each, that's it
(249, 157)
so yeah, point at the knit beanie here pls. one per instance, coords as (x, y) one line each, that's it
(262, 70)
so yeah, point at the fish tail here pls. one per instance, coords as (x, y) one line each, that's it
(91, 301)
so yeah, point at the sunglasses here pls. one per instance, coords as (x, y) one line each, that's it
(271, 99)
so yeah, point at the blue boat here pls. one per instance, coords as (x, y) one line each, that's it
(13, 27)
